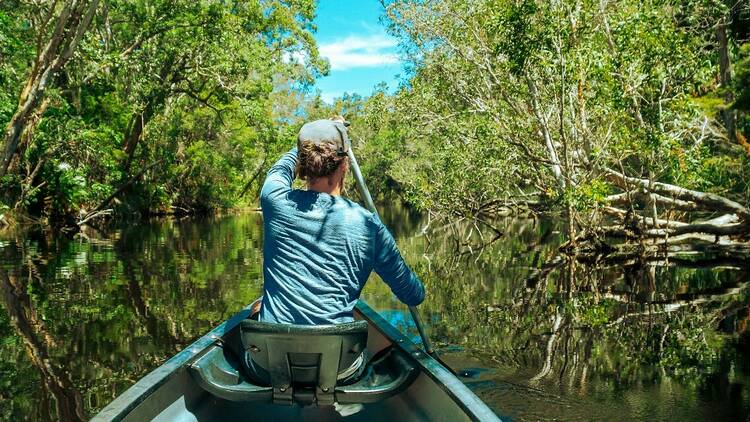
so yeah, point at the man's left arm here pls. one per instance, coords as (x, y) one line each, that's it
(390, 266)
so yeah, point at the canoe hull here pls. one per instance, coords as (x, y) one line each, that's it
(169, 393)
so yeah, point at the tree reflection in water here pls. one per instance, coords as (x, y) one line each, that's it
(538, 335)
(105, 308)
(592, 331)
(38, 342)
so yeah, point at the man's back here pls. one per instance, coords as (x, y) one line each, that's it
(319, 250)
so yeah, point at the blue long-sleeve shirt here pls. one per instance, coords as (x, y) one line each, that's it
(319, 251)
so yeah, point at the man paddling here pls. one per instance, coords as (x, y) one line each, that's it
(319, 248)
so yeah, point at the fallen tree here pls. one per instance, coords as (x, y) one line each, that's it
(655, 218)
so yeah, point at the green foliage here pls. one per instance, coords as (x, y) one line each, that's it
(589, 195)
(170, 101)
(185, 104)
(691, 349)
(483, 97)
(15, 53)
(590, 312)
(522, 30)
(742, 80)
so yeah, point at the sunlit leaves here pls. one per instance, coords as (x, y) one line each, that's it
(182, 83)
(616, 83)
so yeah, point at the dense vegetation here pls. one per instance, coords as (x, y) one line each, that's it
(630, 118)
(143, 106)
(627, 121)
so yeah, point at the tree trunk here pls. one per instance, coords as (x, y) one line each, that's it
(544, 129)
(12, 136)
(154, 102)
(711, 201)
(725, 76)
(71, 24)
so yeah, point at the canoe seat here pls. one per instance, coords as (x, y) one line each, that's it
(293, 357)
(220, 373)
(301, 365)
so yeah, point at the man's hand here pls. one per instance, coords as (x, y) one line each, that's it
(339, 118)
(255, 307)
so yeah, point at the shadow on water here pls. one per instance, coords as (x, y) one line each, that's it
(535, 334)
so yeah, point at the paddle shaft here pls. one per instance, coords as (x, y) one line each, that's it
(420, 328)
(365, 194)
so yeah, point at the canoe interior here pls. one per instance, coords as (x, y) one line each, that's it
(187, 402)
(174, 396)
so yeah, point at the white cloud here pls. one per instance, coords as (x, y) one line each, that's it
(330, 96)
(294, 57)
(360, 51)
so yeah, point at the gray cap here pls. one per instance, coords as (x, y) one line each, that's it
(326, 131)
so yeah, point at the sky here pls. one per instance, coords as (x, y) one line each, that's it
(357, 46)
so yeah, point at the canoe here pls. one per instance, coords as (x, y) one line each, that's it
(206, 380)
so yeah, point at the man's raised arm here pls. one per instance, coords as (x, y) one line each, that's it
(280, 177)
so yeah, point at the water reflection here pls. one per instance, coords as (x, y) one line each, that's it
(587, 339)
(535, 334)
(38, 342)
(86, 317)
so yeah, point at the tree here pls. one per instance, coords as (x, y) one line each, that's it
(164, 107)
(58, 36)
(573, 97)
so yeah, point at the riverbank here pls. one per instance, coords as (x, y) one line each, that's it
(10, 220)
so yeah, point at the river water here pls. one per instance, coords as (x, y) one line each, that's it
(536, 336)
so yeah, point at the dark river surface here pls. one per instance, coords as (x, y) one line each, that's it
(536, 336)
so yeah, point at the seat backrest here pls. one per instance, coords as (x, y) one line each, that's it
(303, 356)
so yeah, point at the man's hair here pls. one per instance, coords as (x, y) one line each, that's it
(317, 160)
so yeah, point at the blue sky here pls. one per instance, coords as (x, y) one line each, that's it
(360, 51)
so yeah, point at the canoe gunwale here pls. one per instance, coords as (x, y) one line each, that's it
(126, 402)
(137, 393)
(474, 407)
